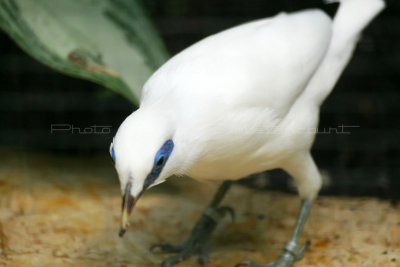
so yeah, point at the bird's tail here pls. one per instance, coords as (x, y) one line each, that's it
(350, 19)
(353, 16)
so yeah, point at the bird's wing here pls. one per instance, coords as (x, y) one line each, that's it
(266, 63)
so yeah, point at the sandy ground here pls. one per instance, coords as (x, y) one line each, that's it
(65, 211)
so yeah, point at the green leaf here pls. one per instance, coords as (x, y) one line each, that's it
(110, 42)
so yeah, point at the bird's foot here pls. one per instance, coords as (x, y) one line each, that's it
(196, 243)
(290, 254)
(183, 251)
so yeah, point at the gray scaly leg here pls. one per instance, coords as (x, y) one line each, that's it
(196, 243)
(291, 252)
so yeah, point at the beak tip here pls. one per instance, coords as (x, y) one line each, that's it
(122, 232)
(128, 201)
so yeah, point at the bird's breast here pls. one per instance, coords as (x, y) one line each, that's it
(246, 141)
(233, 145)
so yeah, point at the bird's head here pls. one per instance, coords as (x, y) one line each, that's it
(142, 152)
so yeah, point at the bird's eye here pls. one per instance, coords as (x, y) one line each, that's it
(160, 161)
(162, 156)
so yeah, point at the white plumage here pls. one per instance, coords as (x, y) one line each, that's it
(243, 101)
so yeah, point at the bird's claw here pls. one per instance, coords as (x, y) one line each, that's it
(290, 254)
(203, 255)
(301, 251)
(196, 243)
(184, 251)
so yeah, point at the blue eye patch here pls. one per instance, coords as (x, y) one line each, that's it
(162, 156)
(112, 153)
(160, 160)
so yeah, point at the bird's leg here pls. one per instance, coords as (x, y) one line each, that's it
(196, 243)
(291, 252)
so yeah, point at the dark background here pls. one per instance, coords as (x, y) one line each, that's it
(364, 162)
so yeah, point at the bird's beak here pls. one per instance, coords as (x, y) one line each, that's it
(128, 201)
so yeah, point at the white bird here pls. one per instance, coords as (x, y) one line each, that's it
(239, 102)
